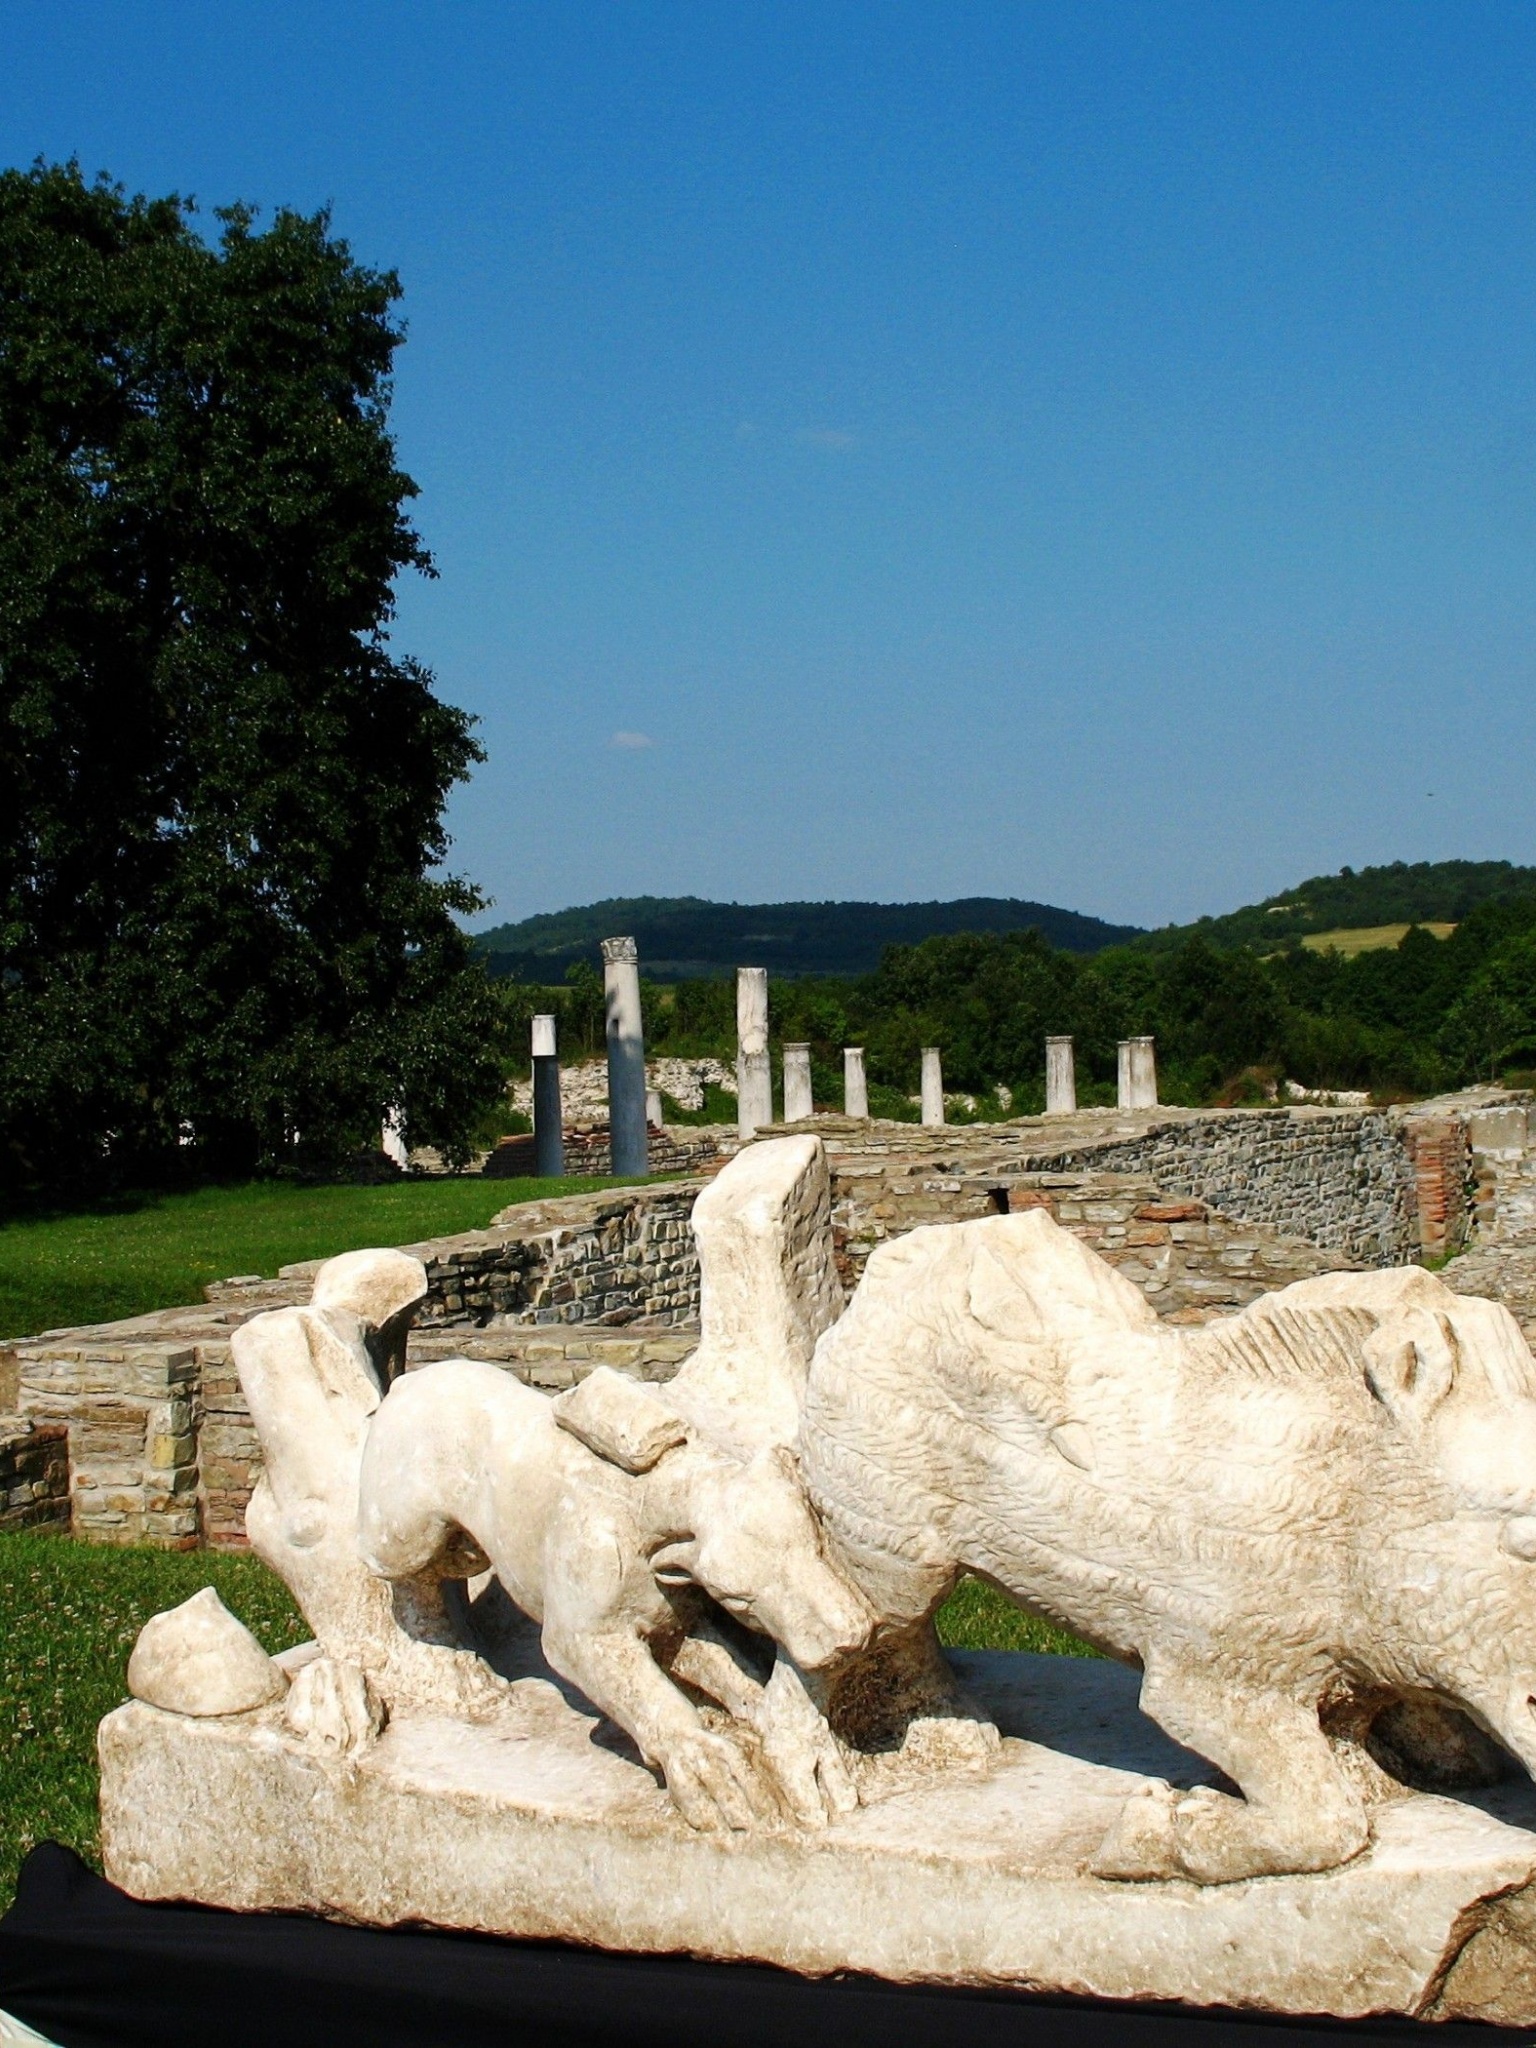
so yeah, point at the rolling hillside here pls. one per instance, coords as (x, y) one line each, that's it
(1426, 892)
(686, 937)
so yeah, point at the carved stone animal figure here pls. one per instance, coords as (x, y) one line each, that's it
(602, 1514)
(1291, 1518)
(312, 1378)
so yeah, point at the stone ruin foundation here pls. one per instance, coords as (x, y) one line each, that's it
(136, 1431)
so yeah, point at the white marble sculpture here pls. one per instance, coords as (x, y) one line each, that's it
(1287, 1520)
(1311, 1527)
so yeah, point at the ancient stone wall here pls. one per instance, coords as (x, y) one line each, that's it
(1502, 1172)
(609, 1259)
(132, 1413)
(589, 1152)
(1192, 1263)
(1437, 1151)
(34, 1474)
(1342, 1179)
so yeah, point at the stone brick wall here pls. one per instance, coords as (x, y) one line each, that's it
(1504, 1198)
(1342, 1179)
(609, 1259)
(228, 1451)
(589, 1152)
(1502, 1172)
(34, 1474)
(1192, 1263)
(132, 1413)
(553, 1359)
(1437, 1151)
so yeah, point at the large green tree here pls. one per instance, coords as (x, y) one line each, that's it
(221, 792)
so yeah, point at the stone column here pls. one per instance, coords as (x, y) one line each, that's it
(1060, 1078)
(392, 1139)
(626, 1058)
(548, 1110)
(1143, 1074)
(754, 1076)
(855, 1087)
(1123, 1073)
(653, 1108)
(797, 1084)
(933, 1085)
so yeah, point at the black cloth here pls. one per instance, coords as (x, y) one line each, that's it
(92, 1968)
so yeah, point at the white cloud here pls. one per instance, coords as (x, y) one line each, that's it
(826, 437)
(631, 742)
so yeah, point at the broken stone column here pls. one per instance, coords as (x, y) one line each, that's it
(754, 1076)
(1060, 1078)
(392, 1139)
(548, 1111)
(653, 1108)
(1143, 1074)
(626, 1057)
(933, 1085)
(1123, 1074)
(855, 1087)
(797, 1084)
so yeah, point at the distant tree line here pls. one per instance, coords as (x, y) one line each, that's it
(1428, 1014)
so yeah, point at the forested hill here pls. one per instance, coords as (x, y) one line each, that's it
(685, 937)
(1425, 892)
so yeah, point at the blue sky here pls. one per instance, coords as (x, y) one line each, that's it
(1084, 452)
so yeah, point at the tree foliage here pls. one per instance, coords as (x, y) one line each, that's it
(221, 792)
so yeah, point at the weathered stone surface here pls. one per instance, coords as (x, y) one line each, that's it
(769, 1289)
(584, 1086)
(333, 1708)
(1342, 1179)
(527, 1826)
(1060, 1078)
(1289, 1518)
(198, 1659)
(34, 1474)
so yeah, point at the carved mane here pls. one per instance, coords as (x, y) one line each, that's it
(1273, 1340)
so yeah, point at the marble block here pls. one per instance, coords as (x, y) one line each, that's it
(541, 1822)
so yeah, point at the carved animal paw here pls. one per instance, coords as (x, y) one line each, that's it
(804, 1757)
(1215, 1838)
(716, 1784)
(1143, 1844)
(1222, 1840)
(814, 1780)
(333, 1708)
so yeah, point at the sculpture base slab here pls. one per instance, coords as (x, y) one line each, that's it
(530, 1826)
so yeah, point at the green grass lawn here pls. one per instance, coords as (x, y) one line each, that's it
(69, 1613)
(157, 1251)
(977, 1617)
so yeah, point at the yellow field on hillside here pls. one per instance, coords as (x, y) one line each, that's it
(1369, 938)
